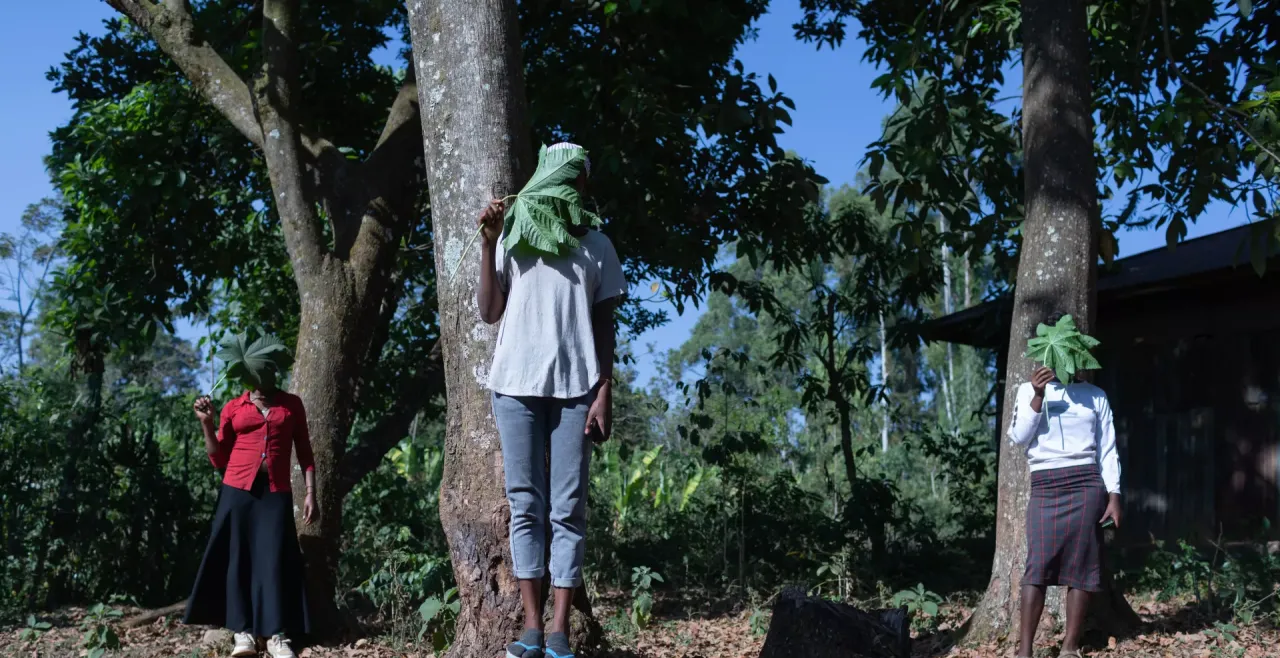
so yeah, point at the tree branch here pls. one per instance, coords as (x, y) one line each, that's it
(411, 395)
(1226, 111)
(404, 110)
(388, 175)
(283, 147)
(381, 334)
(171, 26)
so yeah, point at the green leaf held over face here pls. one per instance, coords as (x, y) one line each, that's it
(253, 363)
(1063, 349)
(539, 217)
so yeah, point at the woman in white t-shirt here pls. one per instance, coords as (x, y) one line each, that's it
(552, 379)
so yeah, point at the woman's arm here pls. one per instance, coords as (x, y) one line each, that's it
(1026, 415)
(1108, 456)
(217, 442)
(490, 297)
(306, 461)
(604, 335)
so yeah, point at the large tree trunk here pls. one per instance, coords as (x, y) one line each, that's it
(471, 95)
(1056, 265)
(323, 374)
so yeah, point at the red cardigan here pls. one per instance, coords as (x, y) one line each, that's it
(245, 438)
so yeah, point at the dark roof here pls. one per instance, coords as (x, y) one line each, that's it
(1151, 271)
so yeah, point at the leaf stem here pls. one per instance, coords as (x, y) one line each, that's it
(454, 275)
(217, 383)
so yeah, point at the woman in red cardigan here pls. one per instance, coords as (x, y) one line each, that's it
(251, 579)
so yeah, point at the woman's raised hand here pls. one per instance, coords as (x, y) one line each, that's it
(491, 220)
(1040, 379)
(204, 409)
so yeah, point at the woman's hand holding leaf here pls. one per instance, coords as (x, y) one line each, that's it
(491, 221)
(204, 410)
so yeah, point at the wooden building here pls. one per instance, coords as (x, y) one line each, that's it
(1191, 363)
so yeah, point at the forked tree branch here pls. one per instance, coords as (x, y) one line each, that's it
(365, 203)
(388, 175)
(171, 26)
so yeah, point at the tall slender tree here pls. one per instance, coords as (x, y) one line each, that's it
(1057, 263)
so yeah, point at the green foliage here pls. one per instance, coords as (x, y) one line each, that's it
(439, 616)
(634, 485)
(759, 621)
(1225, 642)
(642, 580)
(922, 605)
(99, 636)
(254, 363)
(1182, 91)
(108, 493)
(34, 629)
(1063, 349)
(1239, 582)
(394, 556)
(540, 216)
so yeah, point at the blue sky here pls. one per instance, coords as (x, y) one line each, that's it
(837, 115)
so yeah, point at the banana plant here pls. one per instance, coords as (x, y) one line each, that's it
(691, 487)
(630, 492)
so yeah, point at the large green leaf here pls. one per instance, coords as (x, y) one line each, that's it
(1063, 349)
(253, 362)
(539, 217)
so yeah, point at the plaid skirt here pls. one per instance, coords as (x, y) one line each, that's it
(1064, 540)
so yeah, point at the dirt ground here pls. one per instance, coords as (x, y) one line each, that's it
(1171, 630)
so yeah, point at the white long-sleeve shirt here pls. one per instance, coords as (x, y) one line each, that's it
(1073, 428)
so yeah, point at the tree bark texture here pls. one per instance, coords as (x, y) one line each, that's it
(474, 125)
(1056, 270)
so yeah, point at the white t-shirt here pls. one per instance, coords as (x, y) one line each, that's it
(545, 344)
(1074, 428)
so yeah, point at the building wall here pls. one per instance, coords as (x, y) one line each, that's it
(1193, 374)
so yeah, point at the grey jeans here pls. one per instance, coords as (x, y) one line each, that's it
(527, 425)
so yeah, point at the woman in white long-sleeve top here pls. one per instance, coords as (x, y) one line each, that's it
(1075, 488)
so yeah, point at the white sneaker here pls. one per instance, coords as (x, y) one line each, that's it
(245, 646)
(278, 647)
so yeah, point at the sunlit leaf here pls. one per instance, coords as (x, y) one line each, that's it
(1063, 349)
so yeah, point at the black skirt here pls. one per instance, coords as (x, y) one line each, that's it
(1064, 540)
(251, 579)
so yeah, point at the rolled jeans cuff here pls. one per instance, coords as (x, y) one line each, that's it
(533, 574)
(566, 583)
